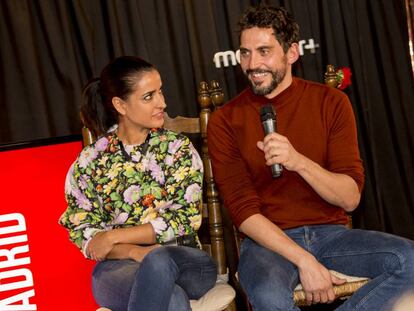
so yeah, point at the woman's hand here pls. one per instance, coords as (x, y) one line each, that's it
(138, 252)
(100, 246)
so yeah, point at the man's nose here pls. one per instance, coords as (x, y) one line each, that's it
(254, 61)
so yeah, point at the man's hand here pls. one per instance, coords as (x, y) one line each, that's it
(278, 150)
(317, 281)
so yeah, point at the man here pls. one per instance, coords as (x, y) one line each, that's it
(295, 224)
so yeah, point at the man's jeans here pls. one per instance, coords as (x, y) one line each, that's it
(269, 279)
(165, 280)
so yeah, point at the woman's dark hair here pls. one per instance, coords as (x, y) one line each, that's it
(285, 28)
(117, 79)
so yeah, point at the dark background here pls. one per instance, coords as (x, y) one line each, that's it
(50, 48)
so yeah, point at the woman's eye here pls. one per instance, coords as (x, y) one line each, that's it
(147, 97)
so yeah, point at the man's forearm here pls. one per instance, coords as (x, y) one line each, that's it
(338, 189)
(267, 234)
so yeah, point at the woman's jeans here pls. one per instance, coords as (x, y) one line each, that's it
(165, 280)
(269, 279)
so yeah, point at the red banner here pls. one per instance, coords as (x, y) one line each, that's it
(40, 269)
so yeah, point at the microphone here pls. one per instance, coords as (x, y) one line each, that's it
(268, 117)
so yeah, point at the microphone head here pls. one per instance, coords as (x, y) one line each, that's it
(267, 112)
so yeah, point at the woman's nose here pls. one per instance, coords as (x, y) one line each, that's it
(161, 101)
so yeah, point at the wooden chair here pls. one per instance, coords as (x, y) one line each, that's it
(221, 296)
(343, 291)
(209, 97)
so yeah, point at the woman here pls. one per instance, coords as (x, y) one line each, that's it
(137, 188)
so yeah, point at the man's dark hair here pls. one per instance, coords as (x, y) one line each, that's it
(285, 28)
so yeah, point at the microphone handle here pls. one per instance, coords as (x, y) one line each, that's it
(269, 126)
(276, 170)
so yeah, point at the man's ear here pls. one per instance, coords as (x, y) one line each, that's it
(293, 53)
(119, 105)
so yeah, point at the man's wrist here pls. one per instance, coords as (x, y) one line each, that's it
(304, 260)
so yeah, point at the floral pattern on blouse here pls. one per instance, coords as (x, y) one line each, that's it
(105, 189)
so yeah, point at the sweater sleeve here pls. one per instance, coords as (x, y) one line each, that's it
(230, 170)
(343, 151)
(83, 217)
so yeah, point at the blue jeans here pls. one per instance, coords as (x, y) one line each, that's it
(165, 280)
(269, 279)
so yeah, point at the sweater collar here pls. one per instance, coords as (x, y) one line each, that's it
(277, 101)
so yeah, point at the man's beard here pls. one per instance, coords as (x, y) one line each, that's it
(277, 77)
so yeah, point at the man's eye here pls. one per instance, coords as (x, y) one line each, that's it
(264, 52)
(244, 53)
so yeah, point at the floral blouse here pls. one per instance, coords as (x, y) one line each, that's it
(107, 187)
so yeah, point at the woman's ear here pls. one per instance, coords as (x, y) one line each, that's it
(293, 53)
(119, 105)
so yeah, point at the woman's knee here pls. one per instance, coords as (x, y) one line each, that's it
(158, 259)
(179, 300)
(112, 281)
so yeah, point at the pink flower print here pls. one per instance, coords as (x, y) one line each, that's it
(69, 181)
(174, 146)
(87, 155)
(181, 230)
(159, 225)
(148, 161)
(131, 195)
(192, 193)
(83, 201)
(157, 173)
(169, 160)
(120, 219)
(165, 205)
(101, 144)
(136, 157)
(196, 162)
(83, 181)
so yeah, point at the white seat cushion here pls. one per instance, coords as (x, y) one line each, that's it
(216, 299)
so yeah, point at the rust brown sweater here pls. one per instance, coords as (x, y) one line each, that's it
(318, 121)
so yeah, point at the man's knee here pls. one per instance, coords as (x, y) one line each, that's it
(401, 262)
(265, 297)
(407, 261)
